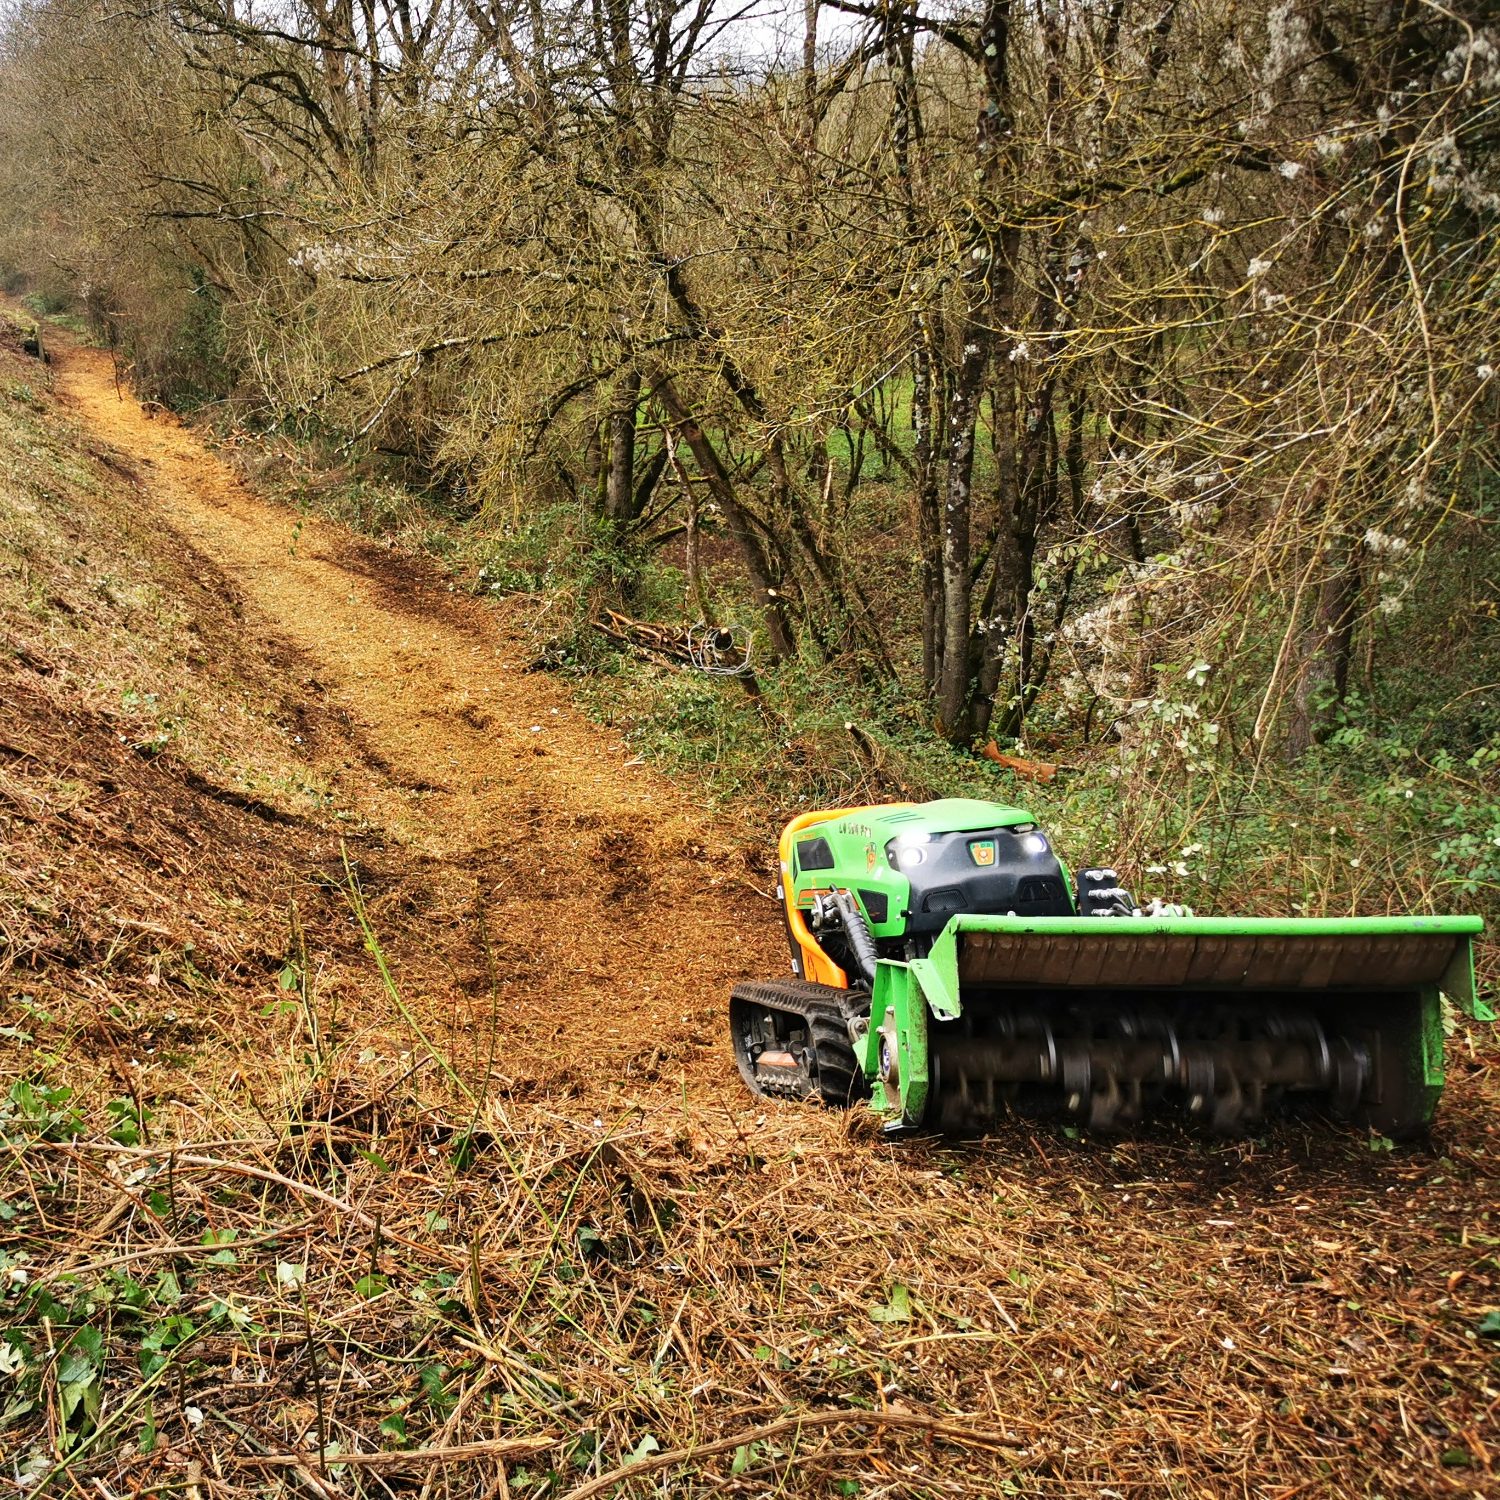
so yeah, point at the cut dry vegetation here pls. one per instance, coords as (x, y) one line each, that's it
(371, 1127)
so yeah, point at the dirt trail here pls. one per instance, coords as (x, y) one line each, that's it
(617, 923)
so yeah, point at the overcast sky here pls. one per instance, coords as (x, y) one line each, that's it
(762, 29)
(770, 26)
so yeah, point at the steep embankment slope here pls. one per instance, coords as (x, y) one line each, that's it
(506, 1218)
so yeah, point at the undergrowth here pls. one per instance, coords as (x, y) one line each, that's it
(1374, 821)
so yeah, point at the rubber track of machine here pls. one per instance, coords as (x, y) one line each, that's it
(826, 1011)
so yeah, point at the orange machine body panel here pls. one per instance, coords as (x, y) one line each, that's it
(816, 965)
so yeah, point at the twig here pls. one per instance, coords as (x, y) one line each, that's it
(492, 1354)
(176, 1158)
(171, 1248)
(112, 1216)
(952, 1432)
(317, 1384)
(413, 1458)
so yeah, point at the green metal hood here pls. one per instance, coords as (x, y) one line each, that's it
(952, 815)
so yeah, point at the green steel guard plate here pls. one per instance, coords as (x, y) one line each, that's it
(1370, 954)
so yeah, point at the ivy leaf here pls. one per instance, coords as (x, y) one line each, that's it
(591, 1244)
(224, 1238)
(897, 1310)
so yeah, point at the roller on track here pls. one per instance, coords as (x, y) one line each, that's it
(949, 967)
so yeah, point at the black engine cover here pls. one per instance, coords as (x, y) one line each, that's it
(991, 871)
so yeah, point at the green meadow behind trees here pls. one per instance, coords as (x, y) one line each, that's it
(1112, 380)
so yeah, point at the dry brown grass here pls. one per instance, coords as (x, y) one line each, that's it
(476, 1230)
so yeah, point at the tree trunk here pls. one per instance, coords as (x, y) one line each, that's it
(956, 577)
(926, 393)
(925, 409)
(1326, 649)
(619, 488)
(989, 280)
(684, 426)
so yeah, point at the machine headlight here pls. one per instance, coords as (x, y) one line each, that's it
(1034, 843)
(908, 851)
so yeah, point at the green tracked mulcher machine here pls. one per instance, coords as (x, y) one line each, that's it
(949, 967)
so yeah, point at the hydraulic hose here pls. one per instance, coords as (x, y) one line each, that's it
(857, 931)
